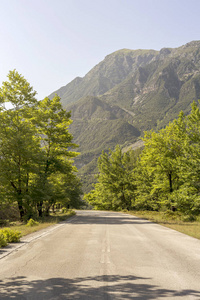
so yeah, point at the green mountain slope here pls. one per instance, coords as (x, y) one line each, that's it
(128, 92)
(98, 126)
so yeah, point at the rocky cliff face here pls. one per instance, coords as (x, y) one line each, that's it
(106, 75)
(142, 80)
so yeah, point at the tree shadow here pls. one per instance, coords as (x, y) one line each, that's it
(88, 288)
(7, 248)
(110, 220)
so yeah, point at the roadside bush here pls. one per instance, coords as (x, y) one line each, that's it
(3, 242)
(30, 214)
(171, 215)
(11, 236)
(71, 212)
(189, 218)
(64, 210)
(32, 222)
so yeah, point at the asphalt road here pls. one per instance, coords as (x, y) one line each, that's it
(102, 255)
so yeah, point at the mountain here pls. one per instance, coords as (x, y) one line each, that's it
(128, 92)
(106, 75)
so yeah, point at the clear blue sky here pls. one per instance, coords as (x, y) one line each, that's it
(50, 42)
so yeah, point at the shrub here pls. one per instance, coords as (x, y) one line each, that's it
(71, 212)
(3, 242)
(171, 215)
(11, 236)
(32, 222)
(189, 218)
(64, 210)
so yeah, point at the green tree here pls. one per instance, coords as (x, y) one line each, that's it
(115, 188)
(52, 123)
(188, 195)
(161, 157)
(66, 190)
(192, 151)
(35, 149)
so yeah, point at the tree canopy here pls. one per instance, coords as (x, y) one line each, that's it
(36, 156)
(165, 175)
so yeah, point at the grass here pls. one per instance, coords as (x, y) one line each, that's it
(43, 222)
(171, 220)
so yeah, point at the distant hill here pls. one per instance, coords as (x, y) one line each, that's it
(128, 92)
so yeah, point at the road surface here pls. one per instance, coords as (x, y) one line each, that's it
(102, 255)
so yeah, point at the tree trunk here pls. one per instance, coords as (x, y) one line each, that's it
(173, 208)
(170, 183)
(47, 211)
(39, 208)
(21, 209)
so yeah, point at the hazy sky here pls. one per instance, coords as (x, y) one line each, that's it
(50, 42)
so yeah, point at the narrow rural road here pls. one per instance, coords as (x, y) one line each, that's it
(103, 255)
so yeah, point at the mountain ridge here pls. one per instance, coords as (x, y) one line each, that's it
(130, 91)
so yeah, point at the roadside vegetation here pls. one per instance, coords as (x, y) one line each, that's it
(12, 231)
(160, 181)
(162, 177)
(171, 220)
(36, 152)
(37, 172)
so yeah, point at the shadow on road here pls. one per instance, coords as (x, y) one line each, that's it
(90, 288)
(108, 219)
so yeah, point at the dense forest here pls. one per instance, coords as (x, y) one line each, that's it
(164, 175)
(36, 151)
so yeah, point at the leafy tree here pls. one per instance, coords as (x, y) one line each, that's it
(166, 175)
(147, 198)
(35, 149)
(115, 187)
(67, 190)
(161, 158)
(19, 147)
(52, 123)
(192, 157)
(188, 196)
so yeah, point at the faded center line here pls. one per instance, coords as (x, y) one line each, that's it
(105, 252)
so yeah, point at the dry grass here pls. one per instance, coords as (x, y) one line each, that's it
(43, 223)
(173, 221)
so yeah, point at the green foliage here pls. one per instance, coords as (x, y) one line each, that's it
(165, 177)
(170, 162)
(19, 145)
(189, 218)
(115, 188)
(35, 150)
(10, 236)
(52, 122)
(64, 210)
(3, 242)
(32, 222)
(159, 160)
